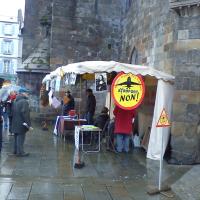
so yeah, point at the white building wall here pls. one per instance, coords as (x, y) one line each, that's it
(10, 47)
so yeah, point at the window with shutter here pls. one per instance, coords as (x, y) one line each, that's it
(6, 66)
(8, 29)
(7, 47)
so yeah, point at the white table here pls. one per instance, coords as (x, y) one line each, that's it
(83, 129)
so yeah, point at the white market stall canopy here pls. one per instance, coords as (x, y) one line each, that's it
(164, 94)
(107, 66)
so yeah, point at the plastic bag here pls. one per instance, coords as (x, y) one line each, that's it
(136, 141)
(55, 102)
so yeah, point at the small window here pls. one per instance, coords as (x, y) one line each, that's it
(7, 47)
(8, 29)
(7, 66)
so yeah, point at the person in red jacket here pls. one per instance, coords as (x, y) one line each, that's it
(10, 101)
(123, 127)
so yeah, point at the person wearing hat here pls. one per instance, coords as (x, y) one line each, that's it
(68, 103)
(20, 121)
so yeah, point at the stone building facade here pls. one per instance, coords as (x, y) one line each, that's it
(10, 46)
(164, 34)
(78, 30)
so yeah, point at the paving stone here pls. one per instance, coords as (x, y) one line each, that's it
(97, 192)
(4, 190)
(19, 192)
(6, 171)
(46, 196)
(73, 192)
(48, 173)
(187, 187)
(119, 193)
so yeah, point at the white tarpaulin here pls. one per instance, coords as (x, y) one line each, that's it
(164, 98)
(164, 94)
(108, 66)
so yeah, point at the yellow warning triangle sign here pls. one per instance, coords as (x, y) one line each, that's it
(163, 120)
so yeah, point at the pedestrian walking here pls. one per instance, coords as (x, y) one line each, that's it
(20, 121)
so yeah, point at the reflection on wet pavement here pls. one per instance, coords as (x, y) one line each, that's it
(48, 173)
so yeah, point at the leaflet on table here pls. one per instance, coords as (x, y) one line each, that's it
(88, 127)
(73, 118)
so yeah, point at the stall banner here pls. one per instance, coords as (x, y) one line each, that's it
(163, 120)
(57, 85)
(53, 84)
(100, 82)
(128, 90)
(70, 79)
(47, 85)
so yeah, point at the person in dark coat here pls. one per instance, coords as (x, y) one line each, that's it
(1, 124)
(102, 118)
(20, 121)
(90, 106)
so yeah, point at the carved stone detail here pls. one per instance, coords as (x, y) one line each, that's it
(186, 8)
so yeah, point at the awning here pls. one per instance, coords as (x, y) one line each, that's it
(108, 66)
(164, 95)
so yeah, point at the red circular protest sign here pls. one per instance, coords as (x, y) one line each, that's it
(128, 90)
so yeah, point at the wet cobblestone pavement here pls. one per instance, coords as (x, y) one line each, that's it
(48, 173)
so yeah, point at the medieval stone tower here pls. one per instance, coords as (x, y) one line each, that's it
(76, 30)
(60, 32)
(160, 33)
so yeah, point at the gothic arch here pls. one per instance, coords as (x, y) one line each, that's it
(133, 58)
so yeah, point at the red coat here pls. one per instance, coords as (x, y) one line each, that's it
(123, 120)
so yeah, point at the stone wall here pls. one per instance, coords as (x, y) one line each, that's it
(79, 30)
(186, 107)
(33, 32)
(168, 39)
(149, 30)
(85, 30)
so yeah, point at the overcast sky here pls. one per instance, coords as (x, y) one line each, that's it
(10, 7)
